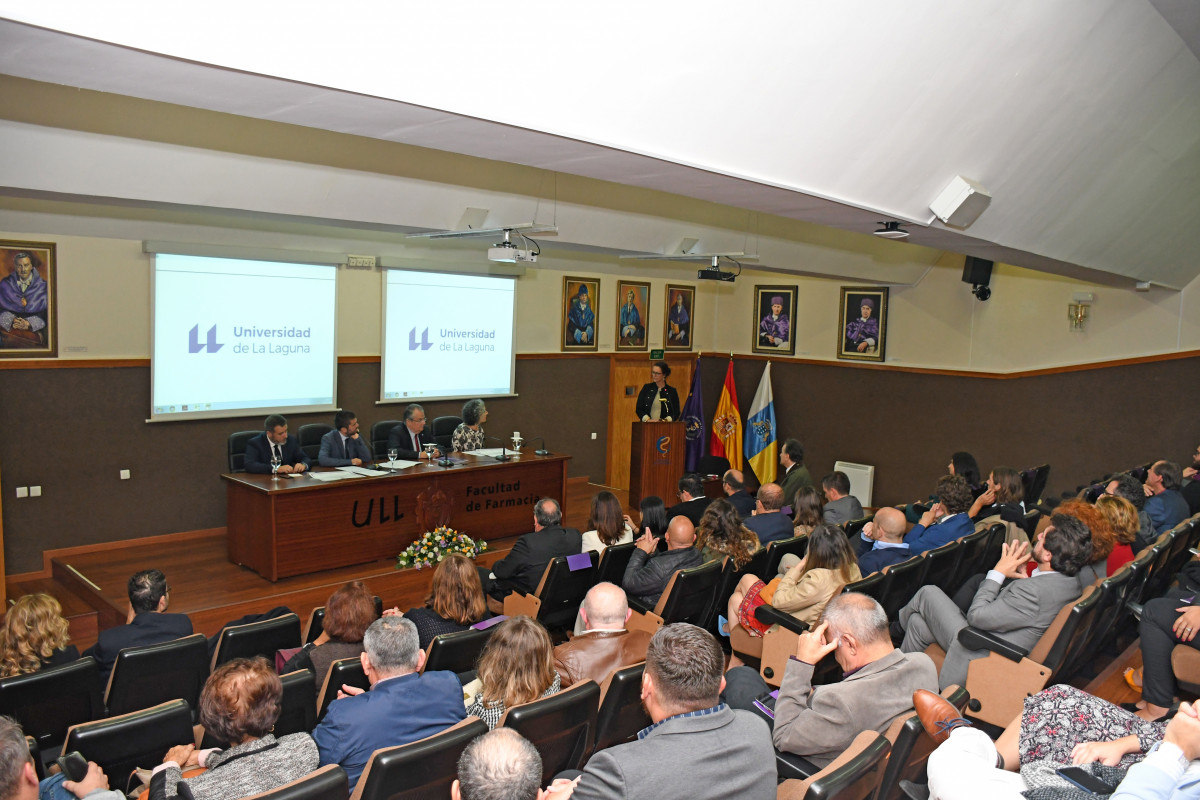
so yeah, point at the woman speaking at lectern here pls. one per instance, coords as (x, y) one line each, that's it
(657, 400)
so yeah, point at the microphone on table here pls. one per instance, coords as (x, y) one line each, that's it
(504, 456)
(541, 451)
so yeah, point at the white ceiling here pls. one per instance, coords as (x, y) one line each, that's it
(1081, 117)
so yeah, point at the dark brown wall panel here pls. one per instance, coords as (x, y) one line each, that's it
(71, 430)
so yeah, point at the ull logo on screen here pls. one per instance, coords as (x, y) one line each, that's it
(211, 345)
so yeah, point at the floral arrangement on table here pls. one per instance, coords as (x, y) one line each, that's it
(436, 545)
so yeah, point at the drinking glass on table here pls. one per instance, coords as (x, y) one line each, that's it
(392, 453)
(276, 460)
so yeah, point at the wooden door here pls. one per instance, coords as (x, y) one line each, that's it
(626, 376)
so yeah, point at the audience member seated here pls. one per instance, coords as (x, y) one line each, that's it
(1001, 501)
(275, 439)
(521, 570)
(840, 505)
(722, 533)
(819, 722)
(1167, 621)
(805, 589)
(808, 507)
(607, 523)
(692, 500)
(653, 515)
(1191, 485)
(1060, 726)
(348, 612)
(698, 748)
(455, 601)
(649, 571)
(469, 435)
(881, 542)
(734, 486)
(769, 522)
(516, 666)
(344, 446)
(946, 520)
(499, 765)
(962, 464)
(34, 636)
(410, 438)
(1130, 488)
(1104, 538)
(1017, 608)
(604, 645)
(795, 475)
(239, 706)
(402, 706)
(1165, 506)
(19, 781)
(1123, 519)
(147, 623)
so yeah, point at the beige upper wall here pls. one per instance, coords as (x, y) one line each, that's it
(104, 306)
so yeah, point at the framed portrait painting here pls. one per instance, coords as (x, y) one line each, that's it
(28, 312)
(862, 325)
(774, 310)
(633, 315)
(581, 298)
(678, 321)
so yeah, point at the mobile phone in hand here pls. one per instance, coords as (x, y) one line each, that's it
(73, 765)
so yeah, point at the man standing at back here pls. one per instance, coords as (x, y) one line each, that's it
(275, 439)
(403, 705)
(343, 446)
(522, 568)
(147, 623)
(768, 523)
(795, 474)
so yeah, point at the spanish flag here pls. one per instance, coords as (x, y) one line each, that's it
(727, 424)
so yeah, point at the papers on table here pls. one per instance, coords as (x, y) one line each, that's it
(398, 464)
(491, 452)
(328, 477)
(365, 471)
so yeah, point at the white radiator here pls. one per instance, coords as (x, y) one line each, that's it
(862, 480)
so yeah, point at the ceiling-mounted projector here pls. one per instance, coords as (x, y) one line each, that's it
(714, 274)
(508, 252)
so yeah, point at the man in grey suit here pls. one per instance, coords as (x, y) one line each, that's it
(819, 722)
(1019, 611)
(344, 447)
(698, 747)
(840, 505)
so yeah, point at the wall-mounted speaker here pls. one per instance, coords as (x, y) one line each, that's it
(977, 271)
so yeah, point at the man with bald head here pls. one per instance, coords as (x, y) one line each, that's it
(734, 485)
(881, 542)
(605, 645)
(768, 522)
(650, 571)
(500, 765)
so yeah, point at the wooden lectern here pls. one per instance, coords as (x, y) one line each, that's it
(656, 457)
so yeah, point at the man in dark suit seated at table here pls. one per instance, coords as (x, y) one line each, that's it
(522, 568)
(768, 522)
(692, 500)
(344, 447)
(409, 439)
(275, 437)
(147, 622)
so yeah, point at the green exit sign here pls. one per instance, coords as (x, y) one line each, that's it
(657, 355)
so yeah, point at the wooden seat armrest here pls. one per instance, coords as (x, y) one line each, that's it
(521, 605)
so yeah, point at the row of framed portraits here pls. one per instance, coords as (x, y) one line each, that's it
(862, 321)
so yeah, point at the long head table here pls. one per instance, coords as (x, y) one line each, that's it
(294, 526)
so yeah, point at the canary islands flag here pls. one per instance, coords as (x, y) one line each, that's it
(727, 424)
(761, 450)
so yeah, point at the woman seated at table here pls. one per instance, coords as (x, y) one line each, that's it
(34, 636)
(239, 706)
(468, 435)
(455, 600)
(516, 666)
(607, 525)
(348, 613)
(805, 589)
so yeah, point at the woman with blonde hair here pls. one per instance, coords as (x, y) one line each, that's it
(721, 533)
(1104, 538)
(34, 636)
(516, 666)
(1122, 517)
(455, 600)
(808, 506)
(805, 589)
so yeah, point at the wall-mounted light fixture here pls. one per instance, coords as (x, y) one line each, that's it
(1077, 309)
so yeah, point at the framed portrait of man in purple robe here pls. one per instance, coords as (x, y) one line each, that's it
(862, 326)
(774, 310)
(677, 319)
(581, 298)
(28, 312)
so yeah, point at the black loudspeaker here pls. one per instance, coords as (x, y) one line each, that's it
(977, 271)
